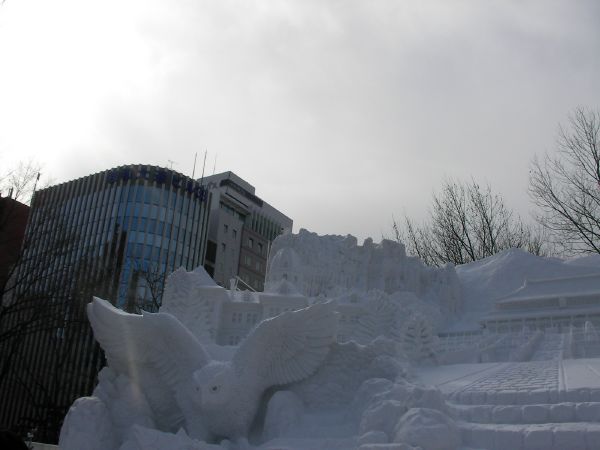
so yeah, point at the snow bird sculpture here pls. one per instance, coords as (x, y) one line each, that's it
(210, 399)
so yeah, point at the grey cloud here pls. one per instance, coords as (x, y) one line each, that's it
(343, 113)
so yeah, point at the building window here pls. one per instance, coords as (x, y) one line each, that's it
(234, 231)
(248, 260)
(258, 266)
(260, 248)
(223, 246)
(225, 228)
(250, 242)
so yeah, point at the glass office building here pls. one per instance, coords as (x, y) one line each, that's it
(115, 234)
(141, 220)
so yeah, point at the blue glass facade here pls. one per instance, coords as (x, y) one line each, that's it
(141, 218)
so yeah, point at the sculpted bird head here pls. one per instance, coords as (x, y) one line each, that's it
(213, 384)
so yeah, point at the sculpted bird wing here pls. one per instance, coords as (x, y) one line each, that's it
(348, 365)
(288, 347)
(380, 320)
(155, 351)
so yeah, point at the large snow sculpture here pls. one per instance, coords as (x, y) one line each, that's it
(334, 265)
(183, 388)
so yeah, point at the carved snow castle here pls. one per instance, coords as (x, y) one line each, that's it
(307, 268)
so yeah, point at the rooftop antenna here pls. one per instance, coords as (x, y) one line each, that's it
(215, 165)
(194, 169)
(171, 162)
(34, 188)
(203, 165)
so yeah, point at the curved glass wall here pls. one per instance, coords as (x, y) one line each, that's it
(138, 222)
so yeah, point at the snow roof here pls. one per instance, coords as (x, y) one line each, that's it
(284, 287)
(541, 313)
(582, 285)
(501, 275)
(243, 296)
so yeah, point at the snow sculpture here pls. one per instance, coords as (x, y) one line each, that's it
(418, 339)
(382, 319)
(194, 299)
(346, 367)
(219, 316)
(396, 317)
(590, 333)
(335, 265)
(177, 384)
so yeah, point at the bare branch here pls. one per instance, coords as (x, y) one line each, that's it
(566, 186)
(467, 222)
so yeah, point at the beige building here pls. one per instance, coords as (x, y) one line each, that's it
(242, 227)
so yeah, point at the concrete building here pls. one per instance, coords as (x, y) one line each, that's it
(242, 228)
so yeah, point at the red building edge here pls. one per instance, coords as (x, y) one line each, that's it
(13, 220)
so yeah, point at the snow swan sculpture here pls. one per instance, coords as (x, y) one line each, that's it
(175, 385)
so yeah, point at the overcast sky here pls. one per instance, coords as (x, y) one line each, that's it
(340, 113)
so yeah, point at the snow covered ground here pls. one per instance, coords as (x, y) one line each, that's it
(553, 404)
(546, 401)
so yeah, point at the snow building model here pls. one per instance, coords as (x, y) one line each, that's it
(379, 290)
(354, 347)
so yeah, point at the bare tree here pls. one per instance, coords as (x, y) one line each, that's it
(153, 278)
(43, 291)
(46, 389)
(466, 222)
(566, 186)
(21, 181)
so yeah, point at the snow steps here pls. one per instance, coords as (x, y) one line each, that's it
(549, 436)
(528, 397)
(542, 419)
(310, 444)
(528, 414)
(550, 347)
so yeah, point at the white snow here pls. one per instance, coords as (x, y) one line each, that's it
(485, 281)
(386, 383)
